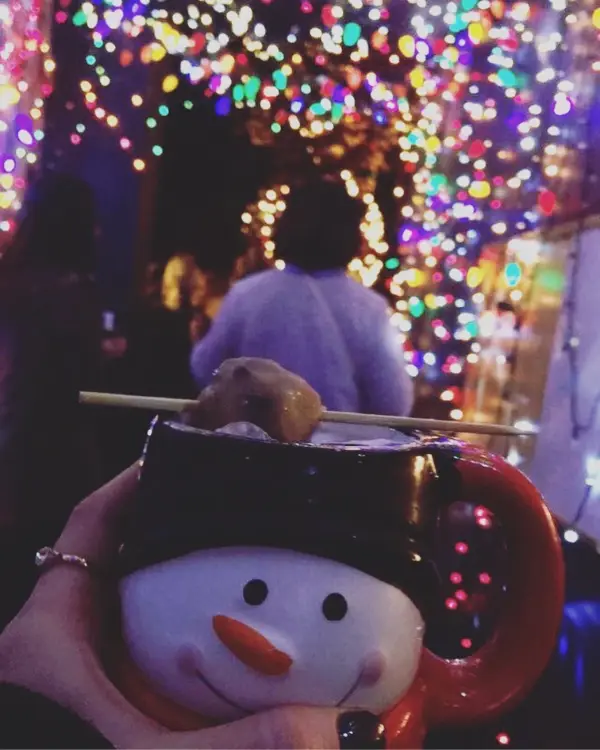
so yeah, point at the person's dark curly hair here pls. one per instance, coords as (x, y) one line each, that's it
(320, 228)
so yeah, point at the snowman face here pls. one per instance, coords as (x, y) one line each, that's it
(233, 631)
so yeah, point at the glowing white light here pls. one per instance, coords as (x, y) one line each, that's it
(571, 536)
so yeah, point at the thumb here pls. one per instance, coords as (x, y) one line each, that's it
(290, 727)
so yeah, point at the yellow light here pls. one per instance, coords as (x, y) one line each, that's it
(9, 96)
(170, 83)
(49, 66)
(430, 301)
(480, 189)
(596, 18)
(417, 77)
(137, 100)
(433, 144)
(474, 277)
(112, 121)
(139, 165)
(157, 52)
(476, 33)
(406, 46)
(85, 86)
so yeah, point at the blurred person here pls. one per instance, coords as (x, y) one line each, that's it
(311, 317)
(50, 328)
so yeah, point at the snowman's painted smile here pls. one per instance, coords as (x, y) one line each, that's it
(357, 683)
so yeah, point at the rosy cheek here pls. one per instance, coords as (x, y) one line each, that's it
(373, 668)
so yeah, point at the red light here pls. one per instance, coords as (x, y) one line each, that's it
(462, 548)
(466, 643)
(547, 202)
(461, 595)
(451, 603)
(455, 578)
(502, 738)
(485, 578)
(476, 149)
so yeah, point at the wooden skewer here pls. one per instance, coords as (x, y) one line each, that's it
(434, 425)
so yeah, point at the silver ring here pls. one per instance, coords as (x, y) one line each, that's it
(48, 557)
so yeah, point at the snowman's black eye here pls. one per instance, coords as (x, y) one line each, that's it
(255, 592)
(335, 607)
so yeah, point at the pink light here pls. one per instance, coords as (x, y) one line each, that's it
(485, 578)
(484, 522)
(451, 603)
(461, 595)
(125, 143)
(75, 139)
(480, 511)
(466, 643)
(455, 578)
(502, 738)
(461, 548)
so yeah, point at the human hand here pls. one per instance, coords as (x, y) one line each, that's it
(52, 648)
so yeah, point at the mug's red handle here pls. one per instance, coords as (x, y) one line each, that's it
(502, 672)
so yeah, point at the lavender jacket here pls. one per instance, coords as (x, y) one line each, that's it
(325, 327)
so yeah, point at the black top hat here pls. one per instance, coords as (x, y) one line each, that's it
(374, 510)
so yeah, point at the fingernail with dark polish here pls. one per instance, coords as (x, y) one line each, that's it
(360, 730)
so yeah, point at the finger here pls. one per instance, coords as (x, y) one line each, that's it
(289, 727)
(93, 529)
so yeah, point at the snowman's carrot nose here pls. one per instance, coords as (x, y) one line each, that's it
(250, 647)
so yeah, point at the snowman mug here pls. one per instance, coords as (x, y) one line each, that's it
(257, 574)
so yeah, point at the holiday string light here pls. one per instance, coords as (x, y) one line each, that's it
(468, 92)
(26, 67)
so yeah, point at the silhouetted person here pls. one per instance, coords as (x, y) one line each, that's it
(49, 348)
(312, 318)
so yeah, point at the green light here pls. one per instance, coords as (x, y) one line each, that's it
(151, 122)
(512, 274)
(188, 104)
(238, 92)
(79, 18)
(98, 43)
(392, 263)
(507, 77)
(337, 112)
(90, 60)
(252, 87)
(163, 110)
(472, 328)
(276, 127)
(352, 32)
(280, 80)
(416, 307)
(157, 150)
